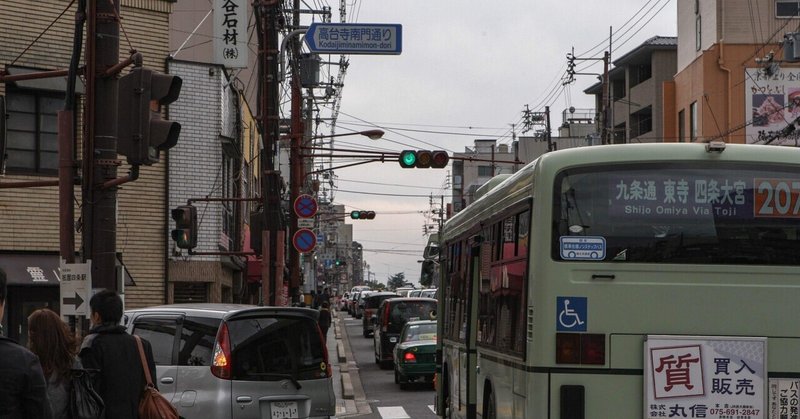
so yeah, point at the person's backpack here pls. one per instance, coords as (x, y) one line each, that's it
(84, 402)
(152, 404)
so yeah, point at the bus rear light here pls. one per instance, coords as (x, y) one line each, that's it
(593, 349)
(581, 348)
(568, 348)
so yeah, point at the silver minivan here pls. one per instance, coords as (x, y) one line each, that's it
(238, 361)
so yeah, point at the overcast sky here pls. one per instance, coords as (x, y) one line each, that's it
(467, 68)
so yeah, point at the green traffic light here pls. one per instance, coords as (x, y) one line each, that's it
(408, 158)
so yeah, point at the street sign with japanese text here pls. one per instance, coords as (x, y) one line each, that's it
(355, 38)
(76, 287)
(305, 223)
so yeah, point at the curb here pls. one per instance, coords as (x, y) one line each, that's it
(347, 386)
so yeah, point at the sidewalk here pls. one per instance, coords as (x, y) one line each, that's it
(350, 397)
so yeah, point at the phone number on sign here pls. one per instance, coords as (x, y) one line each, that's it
(731, 412)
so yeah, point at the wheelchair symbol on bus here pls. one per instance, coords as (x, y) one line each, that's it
(571, 314)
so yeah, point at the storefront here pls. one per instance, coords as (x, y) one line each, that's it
(33, 283)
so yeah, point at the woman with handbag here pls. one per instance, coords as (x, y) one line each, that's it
(57, 348)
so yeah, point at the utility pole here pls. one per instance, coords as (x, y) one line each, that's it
(547, 133)
(100, 146)
(272, 215)
(295, 160)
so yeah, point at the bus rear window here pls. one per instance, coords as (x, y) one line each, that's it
(678, 213)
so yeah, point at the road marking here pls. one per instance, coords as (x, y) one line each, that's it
(393, 412)
(430, 406)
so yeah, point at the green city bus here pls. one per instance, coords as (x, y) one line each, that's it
(626, 281)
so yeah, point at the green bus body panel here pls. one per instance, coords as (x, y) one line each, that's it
(641, 299)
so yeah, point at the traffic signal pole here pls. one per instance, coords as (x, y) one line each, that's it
(99, 204)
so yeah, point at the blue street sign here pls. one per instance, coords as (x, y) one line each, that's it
(355, 38)
(304, 240)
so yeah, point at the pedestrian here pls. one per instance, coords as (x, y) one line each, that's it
(314, 300)
(23, 391)
(57, 348)
(115, 353)
(326, 296)
(325, 318)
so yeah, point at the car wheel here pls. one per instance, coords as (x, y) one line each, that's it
(375, 351)
(365, 333)
(396, 376)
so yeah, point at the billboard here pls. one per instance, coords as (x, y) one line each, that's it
(772, 104)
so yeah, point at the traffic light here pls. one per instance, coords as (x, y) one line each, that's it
(185, 233)
(141, 132)
(340, 262)
(423, 159)
(362, 215)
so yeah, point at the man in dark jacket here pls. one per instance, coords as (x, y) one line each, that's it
(23, 391)
(115, 353)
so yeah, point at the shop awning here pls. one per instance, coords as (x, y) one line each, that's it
(30, 269)
(39, 269)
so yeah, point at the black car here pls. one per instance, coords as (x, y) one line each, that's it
(391, 316)
(370, 306)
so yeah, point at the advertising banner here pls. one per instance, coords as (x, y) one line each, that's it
(705, 377)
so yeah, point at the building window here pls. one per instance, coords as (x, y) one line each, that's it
(485, 171)
(642, 122)
(787, 9)
(32, 131)
(693, 122)
(682, 126)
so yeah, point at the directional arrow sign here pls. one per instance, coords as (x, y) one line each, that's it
(76, 285)
(355, 38)
(76, 301)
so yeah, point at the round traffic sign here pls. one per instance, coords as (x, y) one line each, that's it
(304, 240)
(305, 206)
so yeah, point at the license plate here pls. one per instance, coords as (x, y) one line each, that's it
(284, 410)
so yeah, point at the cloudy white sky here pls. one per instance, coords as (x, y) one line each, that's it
(468, 68)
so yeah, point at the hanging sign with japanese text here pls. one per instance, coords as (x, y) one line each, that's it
(230, 33)
(705, 377)
(355, 38)
(772, 102)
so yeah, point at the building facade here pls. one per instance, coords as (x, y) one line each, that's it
(732, 83)
(476, 165)
(29, 217)
(637, 91)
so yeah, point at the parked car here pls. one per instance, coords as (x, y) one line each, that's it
(359, 304)
(428, 293)
(341, 303)
(415, 353)
(414, 293)
(392, 315)
(370, 306)
(351, 303)
(403, 291)
(238, 361)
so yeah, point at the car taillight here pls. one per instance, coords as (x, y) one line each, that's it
(221, 361)
(409, 357)
(385, 321)
(580, 348)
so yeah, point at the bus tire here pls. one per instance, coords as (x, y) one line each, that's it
(448, 410)
(489, 404)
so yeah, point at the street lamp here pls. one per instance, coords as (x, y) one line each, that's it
(372, 134)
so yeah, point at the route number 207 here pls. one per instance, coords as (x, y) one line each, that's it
(777, 198)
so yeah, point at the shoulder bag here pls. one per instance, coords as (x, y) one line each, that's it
(152, 404)
(84, 402)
